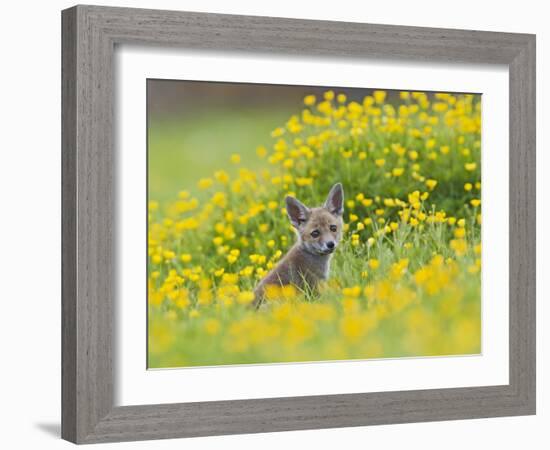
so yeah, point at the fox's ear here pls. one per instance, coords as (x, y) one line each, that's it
(298, 213)
(335, 200)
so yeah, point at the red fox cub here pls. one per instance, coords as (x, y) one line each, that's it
(319, 231)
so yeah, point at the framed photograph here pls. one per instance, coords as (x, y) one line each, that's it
(265, 229)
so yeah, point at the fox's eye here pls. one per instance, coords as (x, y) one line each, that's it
(333, 228)
(315, 233)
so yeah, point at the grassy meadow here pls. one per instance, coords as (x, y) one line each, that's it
(405, 280)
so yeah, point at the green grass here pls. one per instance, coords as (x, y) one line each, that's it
(183, 149)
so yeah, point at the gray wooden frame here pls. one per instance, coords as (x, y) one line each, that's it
(90, 34)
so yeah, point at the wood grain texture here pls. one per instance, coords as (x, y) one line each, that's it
(88, 209)
(522, 207)
(68, 225)
(90, 34)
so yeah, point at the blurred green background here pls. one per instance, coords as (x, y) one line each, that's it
(182, 149)
(194, 127)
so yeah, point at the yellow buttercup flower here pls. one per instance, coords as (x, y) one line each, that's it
(459, 246)
(379, 96)
(309, 100)
(398, 171)
(304, 181)
(460, 232)
(329, 95)
(277, 132)
(205, 183)
(374, 264)
(245, 297)
(431, 184)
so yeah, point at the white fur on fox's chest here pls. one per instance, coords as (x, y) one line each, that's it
(326, 271)
(320, 267)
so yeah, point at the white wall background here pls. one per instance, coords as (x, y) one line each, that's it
(30, 222)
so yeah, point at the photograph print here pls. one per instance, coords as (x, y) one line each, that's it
(303, 223)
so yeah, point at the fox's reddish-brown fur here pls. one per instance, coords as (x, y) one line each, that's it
(319, 231)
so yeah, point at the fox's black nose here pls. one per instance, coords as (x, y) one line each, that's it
(330, 245)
